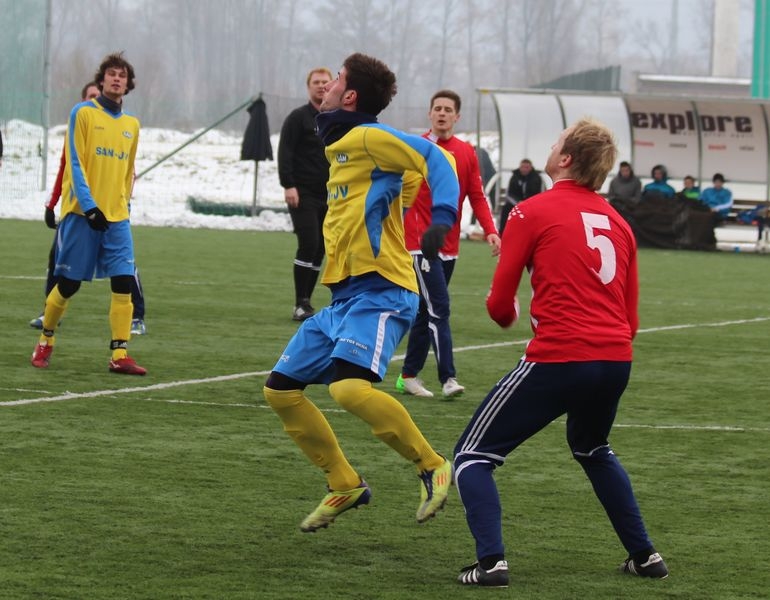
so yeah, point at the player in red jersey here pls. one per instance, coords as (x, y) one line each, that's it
(581, 257)
(431, 326)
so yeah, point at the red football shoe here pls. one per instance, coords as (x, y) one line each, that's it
(42, 355)
(127, 366)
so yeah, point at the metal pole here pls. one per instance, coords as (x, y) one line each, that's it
(46, 109)
(760, 80)
(254, 197)
(196, 136)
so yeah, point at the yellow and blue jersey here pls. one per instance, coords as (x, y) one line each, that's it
(364, 229)
(100, 152)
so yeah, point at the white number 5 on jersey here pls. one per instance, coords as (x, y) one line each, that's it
(592, 222)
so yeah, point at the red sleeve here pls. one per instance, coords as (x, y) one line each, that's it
(56, 192)
(417, 218)
(632, 295)
(517, 244)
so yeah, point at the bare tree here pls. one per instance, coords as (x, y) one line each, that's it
(447, 29)
(507, 33)
(198, 59)
(604, 16)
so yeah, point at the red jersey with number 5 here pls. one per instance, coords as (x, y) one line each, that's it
(581, 257)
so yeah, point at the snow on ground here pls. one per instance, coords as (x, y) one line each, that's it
(207, 169)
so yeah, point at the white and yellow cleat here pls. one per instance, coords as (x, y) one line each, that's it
(334, 504)
(434, 491)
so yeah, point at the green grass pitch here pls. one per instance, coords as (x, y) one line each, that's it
(183, 485)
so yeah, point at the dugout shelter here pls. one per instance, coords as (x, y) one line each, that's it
(689, 135)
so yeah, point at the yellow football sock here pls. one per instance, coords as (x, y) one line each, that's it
(388, 419)
(312, 433)
(55, 305)
(121, 310)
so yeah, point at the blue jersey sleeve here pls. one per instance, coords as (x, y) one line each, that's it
(405, 152)
(76, 142)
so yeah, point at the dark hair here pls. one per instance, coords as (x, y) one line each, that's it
(85, 89)
(113, 61)
(663, 170)
(453, 96)
(718, 176)
(625, 163)
(372, 80)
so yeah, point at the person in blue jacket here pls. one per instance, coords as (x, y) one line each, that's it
(718, 198)
(659, 184)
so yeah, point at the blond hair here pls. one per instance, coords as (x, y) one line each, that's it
(323, 70)
(593, 150)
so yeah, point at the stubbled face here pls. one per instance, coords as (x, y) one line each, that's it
(334, 92)
(115, 83)
(315, 88)
(443, 116)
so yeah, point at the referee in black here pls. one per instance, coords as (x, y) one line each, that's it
(303, 172)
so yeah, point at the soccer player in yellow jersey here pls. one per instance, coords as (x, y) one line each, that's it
(94, 235)
(348, 344)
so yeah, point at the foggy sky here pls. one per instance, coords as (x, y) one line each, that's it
(196, 60)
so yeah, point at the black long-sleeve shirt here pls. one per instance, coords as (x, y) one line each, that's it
(521, 187)
(301, 158)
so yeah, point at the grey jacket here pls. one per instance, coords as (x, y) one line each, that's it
(625, 188)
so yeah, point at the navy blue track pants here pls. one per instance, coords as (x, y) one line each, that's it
(522, 403)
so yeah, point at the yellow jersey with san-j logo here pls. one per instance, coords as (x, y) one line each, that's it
(363, 228)
(100, 152)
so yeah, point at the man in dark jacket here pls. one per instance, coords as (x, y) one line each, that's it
(524, 183)
(303, 171)
(625, 186)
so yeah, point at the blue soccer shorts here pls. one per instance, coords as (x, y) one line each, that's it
(364, 330)
(83, 253)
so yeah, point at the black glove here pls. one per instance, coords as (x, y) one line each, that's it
(96, 219)
(50, 218)
(433, 240)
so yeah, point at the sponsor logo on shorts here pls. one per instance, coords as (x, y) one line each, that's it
(355, 343)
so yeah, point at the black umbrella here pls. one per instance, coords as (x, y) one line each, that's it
(256, 142)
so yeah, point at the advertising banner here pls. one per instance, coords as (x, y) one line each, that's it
(733, 141)
(664, 132)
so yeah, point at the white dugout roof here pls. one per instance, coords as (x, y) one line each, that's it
(690, 136)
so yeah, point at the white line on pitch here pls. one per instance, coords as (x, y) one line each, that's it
(678, 427)
(173, 384)
(146, 388)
